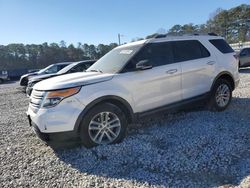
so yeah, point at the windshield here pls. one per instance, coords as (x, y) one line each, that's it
(115, 60)
(53, 68)
(67, 68)
(48, 69)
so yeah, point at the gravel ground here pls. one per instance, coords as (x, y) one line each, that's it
(194, 148)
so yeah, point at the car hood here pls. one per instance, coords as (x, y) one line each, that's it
(29, 74)
(72, 80)
(41, 77)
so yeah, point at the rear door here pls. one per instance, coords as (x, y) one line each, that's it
(198, 67)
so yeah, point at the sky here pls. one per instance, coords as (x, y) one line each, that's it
(98, 21)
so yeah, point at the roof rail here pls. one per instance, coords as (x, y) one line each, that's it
(187, 34)
(160, 36)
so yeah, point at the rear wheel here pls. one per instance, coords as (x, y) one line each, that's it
(221, 95)
(103, 124)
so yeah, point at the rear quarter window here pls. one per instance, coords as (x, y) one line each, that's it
(221, 45)
(189, 50)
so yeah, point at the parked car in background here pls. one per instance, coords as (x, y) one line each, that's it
(48, 70)
(3, 76)
(131, 81)
(33, 70)
(79, 66)
(244, 57)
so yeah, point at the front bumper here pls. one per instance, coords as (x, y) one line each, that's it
(60, 118)
(42, 136)
(46, 137)
(29, 90)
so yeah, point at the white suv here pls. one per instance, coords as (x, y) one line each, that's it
(132, 81)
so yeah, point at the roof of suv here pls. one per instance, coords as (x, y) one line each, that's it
(171, 38)
(188, 37)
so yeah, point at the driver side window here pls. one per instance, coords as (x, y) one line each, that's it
(157, 54)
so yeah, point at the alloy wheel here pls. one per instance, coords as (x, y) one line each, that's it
(104, 128)
(222, 95)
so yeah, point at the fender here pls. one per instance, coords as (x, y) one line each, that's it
(108, 98)
(221, 74)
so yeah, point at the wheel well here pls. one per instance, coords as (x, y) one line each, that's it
(122, 106)
(228, 78)
(119, 102)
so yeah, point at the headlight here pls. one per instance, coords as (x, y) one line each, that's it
(55, 97)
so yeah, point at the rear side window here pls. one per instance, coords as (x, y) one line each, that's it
(222, 45)
(189, 50)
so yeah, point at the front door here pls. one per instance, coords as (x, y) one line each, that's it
(155, 87)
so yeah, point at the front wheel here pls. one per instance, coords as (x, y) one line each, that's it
(103, 124)
(221, 95)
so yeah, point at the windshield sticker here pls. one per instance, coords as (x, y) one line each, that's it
(126, 52)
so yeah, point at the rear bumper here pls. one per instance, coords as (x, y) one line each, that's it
(4, 77)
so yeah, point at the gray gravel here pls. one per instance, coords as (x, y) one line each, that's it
(194, 148)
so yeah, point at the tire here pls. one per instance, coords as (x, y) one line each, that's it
(95, 123)
(216, 101)
(1, 81)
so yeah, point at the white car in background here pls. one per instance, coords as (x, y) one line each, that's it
(51, 69)
(131, 81)
(79, 66)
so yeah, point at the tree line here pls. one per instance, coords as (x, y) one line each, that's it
(233, 24)
(33, 56)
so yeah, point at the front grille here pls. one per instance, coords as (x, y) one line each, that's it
(36, 100)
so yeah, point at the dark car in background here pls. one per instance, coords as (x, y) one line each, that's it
(79, 66)
(244, 57)
(54, 68)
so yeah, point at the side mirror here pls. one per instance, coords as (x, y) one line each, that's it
(143, 65)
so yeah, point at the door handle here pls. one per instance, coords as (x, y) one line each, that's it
(171, 71)
(211, 62)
